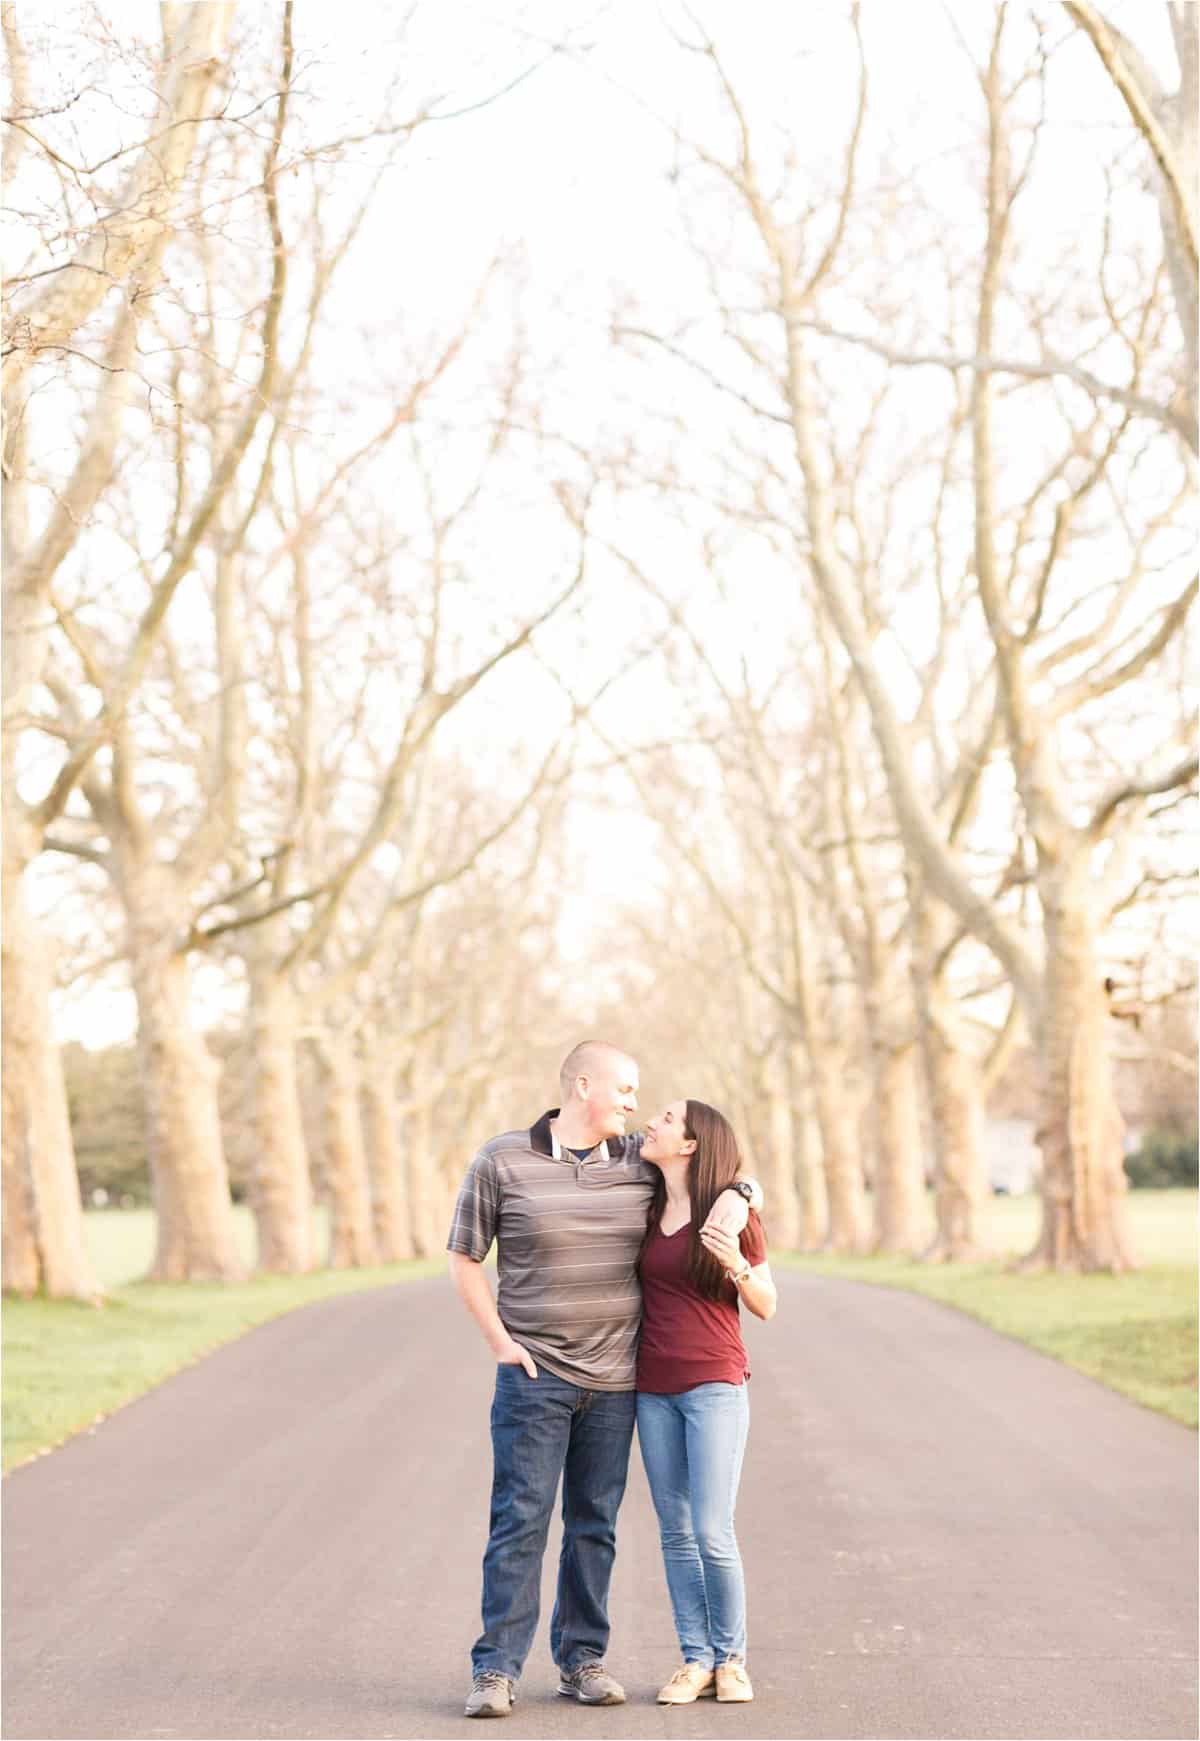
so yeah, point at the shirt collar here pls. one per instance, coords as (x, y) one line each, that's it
(544, 1141)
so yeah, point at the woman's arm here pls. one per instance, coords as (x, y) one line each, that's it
(752, 1281)
(756, 1290)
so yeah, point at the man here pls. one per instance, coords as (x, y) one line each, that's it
(566, 1203)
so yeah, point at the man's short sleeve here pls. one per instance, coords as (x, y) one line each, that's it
(474, 1225)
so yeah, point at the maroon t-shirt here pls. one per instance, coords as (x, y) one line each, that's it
(687, 1339)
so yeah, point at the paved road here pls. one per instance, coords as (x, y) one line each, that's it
(945, 1535)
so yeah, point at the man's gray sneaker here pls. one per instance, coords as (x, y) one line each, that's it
(492, 1695)
(591, 1684)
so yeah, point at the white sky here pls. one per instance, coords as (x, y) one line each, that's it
(569, 172)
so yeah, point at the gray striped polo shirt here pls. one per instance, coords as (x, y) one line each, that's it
(567, 1236)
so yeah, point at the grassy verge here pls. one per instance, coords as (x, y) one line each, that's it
(66, 1365)
(1136, 1333)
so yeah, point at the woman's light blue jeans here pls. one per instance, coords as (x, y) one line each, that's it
(692, 1447)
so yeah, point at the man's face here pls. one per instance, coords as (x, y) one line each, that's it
(609, 1094)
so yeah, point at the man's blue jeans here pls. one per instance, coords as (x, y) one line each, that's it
(692, 1446)
(543, 1427)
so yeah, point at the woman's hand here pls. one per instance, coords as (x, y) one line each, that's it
(723, 1245)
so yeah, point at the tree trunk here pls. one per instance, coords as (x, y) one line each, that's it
(44, 1245)
(351, 1240)
(849, 1231)
(196, 1239)
(43, 1239)
(388, 1173)
(281, 1189)
(956, 1114)
(900, 1216)
(960, 1170)
(1084, 1206)
(22, 1269)
(781, 1209)
(810, 1182)
(811, 1193)
(428, 1236)
(954, 1085)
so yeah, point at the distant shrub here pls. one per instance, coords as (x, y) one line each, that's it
(1164, 1159)
(104, 1096)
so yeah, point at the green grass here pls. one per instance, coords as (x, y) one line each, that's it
(1136, 1333)
(68, 1365)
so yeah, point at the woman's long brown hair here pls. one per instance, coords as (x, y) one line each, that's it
(716, 1163)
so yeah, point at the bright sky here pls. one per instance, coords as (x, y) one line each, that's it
(569, 173)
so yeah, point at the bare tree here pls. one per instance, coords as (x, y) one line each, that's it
(50, 316)
(1031, 641)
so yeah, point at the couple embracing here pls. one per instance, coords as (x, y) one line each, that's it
(622, 1263)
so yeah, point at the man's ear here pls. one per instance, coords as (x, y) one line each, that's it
(582, 1085)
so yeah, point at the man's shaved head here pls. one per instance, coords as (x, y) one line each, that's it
(585, 1059)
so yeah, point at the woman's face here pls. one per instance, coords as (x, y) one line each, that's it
(666, 1135)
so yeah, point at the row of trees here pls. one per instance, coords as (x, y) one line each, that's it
(243, 600)
(1019, 570)
(293, 677)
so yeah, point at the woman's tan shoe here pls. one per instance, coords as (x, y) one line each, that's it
(691, 1682)
(733, 1683)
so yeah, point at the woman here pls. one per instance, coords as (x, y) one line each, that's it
(692, 1408)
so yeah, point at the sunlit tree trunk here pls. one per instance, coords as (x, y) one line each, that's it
(960, 1172)
(196, 1238)
(1085, 1214)
(810, 1173)
(42, 1213)
(849, 1229)
(351, 1240)
(388, 1173)
(281, 1189)
(779, 1180)
(21, 1262)
(900, 1220)
(954, 1083)
(44, 1244)
(834, 1109)
(428, 1234)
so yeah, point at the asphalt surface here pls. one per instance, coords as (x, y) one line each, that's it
(945, 1534)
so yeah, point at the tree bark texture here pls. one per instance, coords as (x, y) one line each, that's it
(386, 1165)
(351, 1239)
(281, 1189)
(810, 1176)
(1084, 1202)
(428, 1234)
(849, 1231)
(781, 1209)
(900, 1215)
(44, 1245)
(196, 1239)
